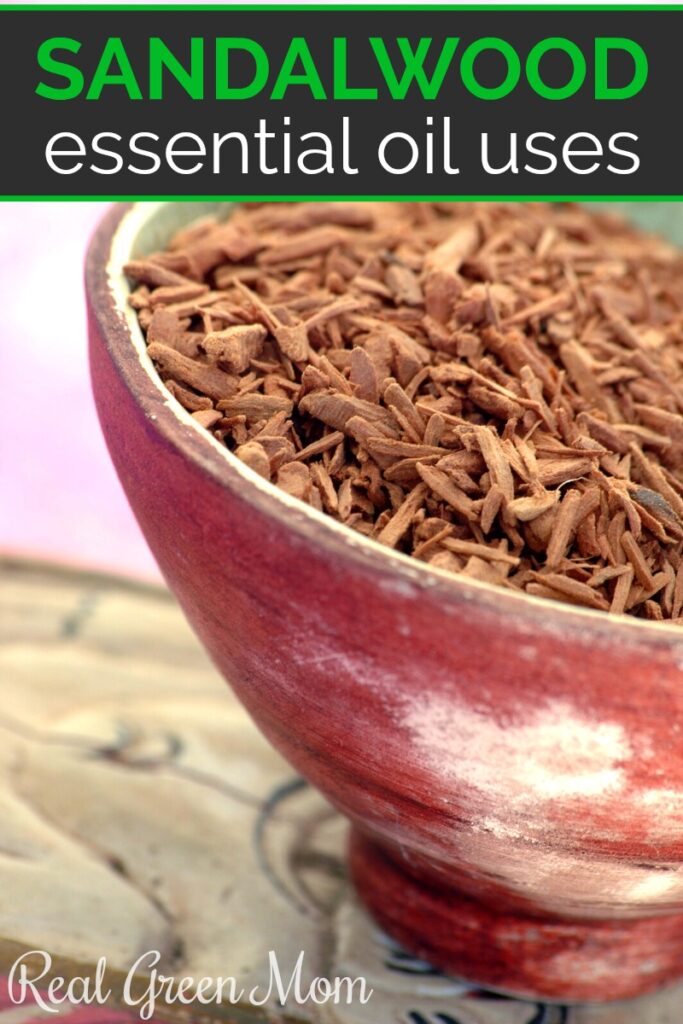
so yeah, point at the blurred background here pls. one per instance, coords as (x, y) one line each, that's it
(60, 499)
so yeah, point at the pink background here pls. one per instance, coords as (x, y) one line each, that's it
(60, 497)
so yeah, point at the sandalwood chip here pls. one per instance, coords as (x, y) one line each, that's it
(207, 380)
(254, 406)
(363, 375)
(526, 509)
(301, 244)
(293, 341)
(254, 455)
(234, 347)
(394, 530)
(207, 417)
(295, 478)
(164, 327)
(495, 389)
(442, 486)
(187, 398)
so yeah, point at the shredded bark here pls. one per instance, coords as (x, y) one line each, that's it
(495, 389)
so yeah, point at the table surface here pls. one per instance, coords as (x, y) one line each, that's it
(142, 810)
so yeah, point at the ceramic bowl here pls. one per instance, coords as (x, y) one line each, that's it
(512, 767)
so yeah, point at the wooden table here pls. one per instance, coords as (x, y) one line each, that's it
(141, 810)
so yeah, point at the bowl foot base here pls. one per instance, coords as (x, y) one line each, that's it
(513, 952)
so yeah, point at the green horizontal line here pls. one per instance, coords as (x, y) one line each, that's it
(342, 7)
(344, 198)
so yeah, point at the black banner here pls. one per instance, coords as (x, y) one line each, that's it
(341, 102)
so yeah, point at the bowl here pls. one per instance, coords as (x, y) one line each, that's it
(512, 767)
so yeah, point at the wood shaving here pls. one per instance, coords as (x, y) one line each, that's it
(496, 389)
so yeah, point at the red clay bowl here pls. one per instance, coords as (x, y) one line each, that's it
(513, 768)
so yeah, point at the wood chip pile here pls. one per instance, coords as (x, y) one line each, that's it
(495, 389)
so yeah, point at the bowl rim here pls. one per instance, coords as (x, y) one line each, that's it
(107, 289)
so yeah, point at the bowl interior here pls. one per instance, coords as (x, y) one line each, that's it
(664, 218)
(166, 218)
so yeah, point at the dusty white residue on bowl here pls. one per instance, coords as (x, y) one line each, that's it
(662, 813)
(527, 652)
(655, 885)
(573, 883)
(553, 753)
(670, 800)
(402, 588)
